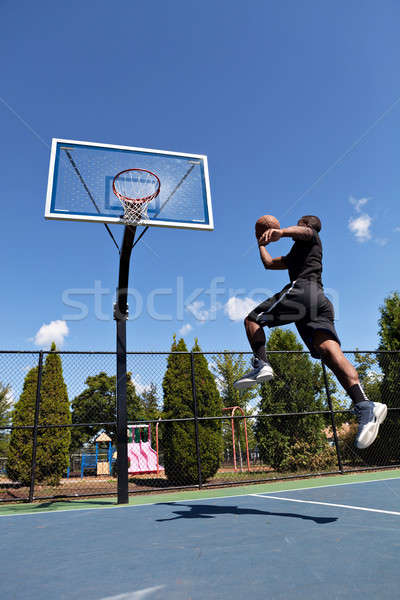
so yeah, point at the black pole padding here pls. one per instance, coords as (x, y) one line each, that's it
(121, 316)
(332, 414)
(196, 420)
(35, 427)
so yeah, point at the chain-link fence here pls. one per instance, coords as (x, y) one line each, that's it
(187, 425)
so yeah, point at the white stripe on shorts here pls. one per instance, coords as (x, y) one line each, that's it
(279, 300)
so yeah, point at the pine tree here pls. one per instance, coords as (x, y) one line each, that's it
(180, 461)
(20, 447)
(179, 442)
(209, 404)
(292, 443)
(52, 456)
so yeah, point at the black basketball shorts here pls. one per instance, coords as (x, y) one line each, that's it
(303, 303)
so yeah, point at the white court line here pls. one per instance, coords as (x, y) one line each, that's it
(119, 506)
(376, 510)
(139, 595)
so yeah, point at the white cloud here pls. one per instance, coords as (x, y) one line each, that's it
(200, 313)
(358, 204)
(361, 227)
(55, 331)
(185, 329)
(381, 241)
(238, 308)
(139, 387)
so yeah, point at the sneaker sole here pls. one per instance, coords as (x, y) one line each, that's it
(243, 385)
(265, 378)
(371, 433)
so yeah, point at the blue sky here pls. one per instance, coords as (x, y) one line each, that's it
(296, 104)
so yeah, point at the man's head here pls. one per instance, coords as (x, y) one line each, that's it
(310, 221)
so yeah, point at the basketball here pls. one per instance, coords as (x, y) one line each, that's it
(266, 222)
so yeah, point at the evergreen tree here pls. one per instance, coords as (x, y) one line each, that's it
(5, 406)
(293, 442)
(53, 443)
(180, 461)
(98, 404)
(179, 442)
(20, 446)
(209, 404)
(52, 453)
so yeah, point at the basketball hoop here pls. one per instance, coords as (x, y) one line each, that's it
(136, 188)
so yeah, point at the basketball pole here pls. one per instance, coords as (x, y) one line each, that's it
(121, 316)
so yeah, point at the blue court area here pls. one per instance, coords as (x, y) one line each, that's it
(332, 541)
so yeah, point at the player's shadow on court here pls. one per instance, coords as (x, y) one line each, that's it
(206, 511)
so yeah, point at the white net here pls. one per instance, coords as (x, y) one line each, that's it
(136, 188)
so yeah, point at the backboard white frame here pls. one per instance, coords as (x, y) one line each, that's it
(109, 219)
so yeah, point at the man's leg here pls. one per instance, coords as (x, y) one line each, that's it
(256, 336)
(268, 313)
(369, 414)
(332, 355)
(262, 370)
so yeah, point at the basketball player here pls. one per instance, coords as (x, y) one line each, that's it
(304, 303)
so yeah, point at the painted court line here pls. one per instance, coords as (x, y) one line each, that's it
(376, 510)
(139, 595)
(222, 497)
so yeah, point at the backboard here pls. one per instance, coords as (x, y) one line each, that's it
(80, 185)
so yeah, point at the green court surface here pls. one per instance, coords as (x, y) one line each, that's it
(244, 490)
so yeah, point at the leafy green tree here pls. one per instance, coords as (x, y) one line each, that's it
(389, 334)
(5, 406)
(52, 453)
(20, 447)
(389, 323)
(294, 442)
(179, 442)
(98, 404)
(386, 449)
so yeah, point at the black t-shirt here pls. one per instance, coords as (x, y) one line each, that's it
(304, 260)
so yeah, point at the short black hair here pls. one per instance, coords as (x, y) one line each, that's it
(312, 221)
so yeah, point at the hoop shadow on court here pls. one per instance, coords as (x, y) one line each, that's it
(206, 511)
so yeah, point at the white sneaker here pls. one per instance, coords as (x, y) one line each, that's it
(262, 371)
(369, 415)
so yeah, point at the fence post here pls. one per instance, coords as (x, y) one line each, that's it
(335, 437)
(196, 416)
(35, 426)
